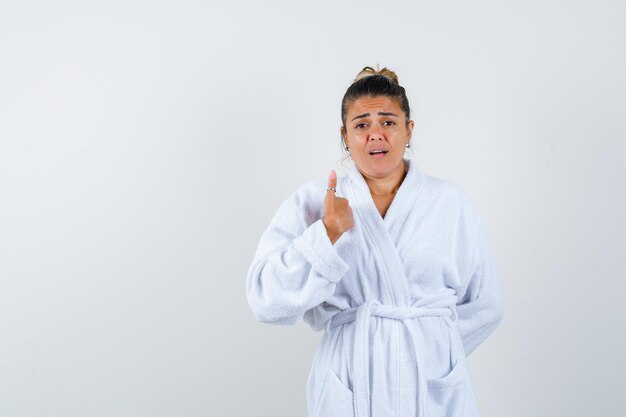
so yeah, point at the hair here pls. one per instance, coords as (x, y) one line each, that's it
(374, 83)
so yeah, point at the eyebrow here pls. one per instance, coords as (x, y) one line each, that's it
(380, 113)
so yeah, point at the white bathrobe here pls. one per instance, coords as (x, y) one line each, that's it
(402, 299)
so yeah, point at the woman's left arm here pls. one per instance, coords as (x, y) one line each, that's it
(480, 309)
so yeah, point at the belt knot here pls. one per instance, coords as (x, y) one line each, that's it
(361, 316)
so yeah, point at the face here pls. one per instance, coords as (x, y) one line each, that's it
(375, 124)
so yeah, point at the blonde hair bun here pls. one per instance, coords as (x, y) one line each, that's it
(369, 71)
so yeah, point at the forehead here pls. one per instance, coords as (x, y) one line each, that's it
(374, 104)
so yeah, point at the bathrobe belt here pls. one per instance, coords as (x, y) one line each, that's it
(361, 315)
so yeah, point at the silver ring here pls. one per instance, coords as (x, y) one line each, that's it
(331, 189)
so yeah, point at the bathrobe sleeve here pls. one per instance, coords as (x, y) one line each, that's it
(295, 268)
(480, 309)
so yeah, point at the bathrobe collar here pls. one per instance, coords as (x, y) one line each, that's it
(402, 201)
(384, 233)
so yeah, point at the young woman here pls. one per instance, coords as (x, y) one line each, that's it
(395, 266)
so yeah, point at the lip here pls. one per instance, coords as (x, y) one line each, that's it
(378, 155)
(377, 149)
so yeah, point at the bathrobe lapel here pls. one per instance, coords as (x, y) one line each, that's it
(383, 233)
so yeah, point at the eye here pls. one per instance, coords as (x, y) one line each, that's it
(360, 125)
(388, 123)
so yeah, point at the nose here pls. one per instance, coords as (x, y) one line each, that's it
(375, 133)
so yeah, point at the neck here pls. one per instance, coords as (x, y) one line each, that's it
(387, 185)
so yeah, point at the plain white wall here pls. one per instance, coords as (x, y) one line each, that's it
(144, 147)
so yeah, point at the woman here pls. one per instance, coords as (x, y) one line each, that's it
(393, 264)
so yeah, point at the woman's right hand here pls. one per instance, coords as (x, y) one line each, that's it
(337, 212)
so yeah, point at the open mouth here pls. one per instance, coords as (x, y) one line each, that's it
(378, 153)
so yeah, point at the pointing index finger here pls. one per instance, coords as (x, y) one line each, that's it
(332, 179)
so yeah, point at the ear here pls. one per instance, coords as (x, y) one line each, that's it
(344, 135)
(409, 127)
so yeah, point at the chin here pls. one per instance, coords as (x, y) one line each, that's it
(378, 169)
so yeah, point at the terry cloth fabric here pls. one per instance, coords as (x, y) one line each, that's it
(402, 299)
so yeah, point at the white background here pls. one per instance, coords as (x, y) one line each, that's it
(144, 147)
